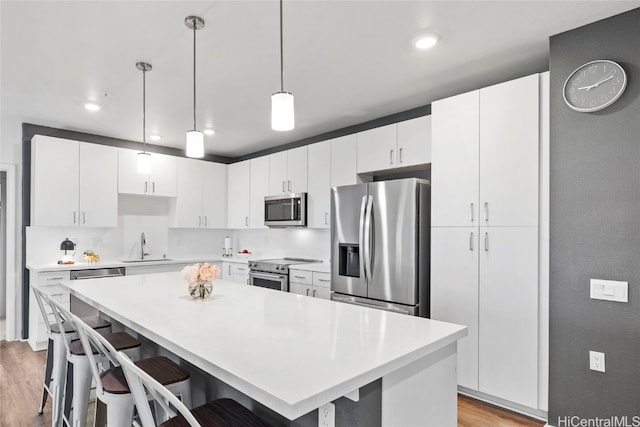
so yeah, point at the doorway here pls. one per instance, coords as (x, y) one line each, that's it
(3, 257)
(10, 301)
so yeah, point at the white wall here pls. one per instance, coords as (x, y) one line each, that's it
(289, 242)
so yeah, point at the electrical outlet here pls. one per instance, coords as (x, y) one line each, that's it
(596, 361)
(327, 415)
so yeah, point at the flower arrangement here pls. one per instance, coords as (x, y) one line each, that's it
(199, 277)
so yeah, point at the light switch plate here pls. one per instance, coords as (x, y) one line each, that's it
(609, 290)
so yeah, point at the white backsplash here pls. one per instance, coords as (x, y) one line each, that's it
(281, 242)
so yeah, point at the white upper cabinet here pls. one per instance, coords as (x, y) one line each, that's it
(259, 188)
(214, 195)
(485, 156)
(343, 161)
(238, 194)
(161, 181)
(288, 171)
(201, 194)
(414, 141)
(73, 183)
(455, 155)
(394, 146)
(318, 200)
(509, 141)
(377, 148)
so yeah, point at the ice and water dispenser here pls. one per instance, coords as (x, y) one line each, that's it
(349, 260)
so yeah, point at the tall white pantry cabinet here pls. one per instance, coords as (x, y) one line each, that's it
(484, 236)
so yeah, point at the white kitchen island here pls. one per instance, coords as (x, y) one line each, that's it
(289, 352)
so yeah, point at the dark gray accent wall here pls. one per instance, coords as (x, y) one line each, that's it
(595, 230)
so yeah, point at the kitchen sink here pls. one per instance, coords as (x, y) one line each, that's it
(147, 260)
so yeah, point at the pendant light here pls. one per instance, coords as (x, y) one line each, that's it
(195, 138)
(144, 158)
(282, 114)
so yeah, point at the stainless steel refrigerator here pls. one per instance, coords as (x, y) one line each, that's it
(380, 245)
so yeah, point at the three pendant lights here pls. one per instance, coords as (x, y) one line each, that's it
(282, 109)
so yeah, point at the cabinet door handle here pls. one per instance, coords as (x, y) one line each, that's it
(486, 211)
(486, 241)
(205, 221)
(400, 155)
(283, 190)
(247, 280)
(74, 217)
(471, 211)
(84, 217)
(391, 156)
(326, 216)
(289, 185)
(307, 292)
(246, 221)
(153, 187)
(146, 187)
(314, 293)
(471, 241)
(299, 277)
(229, 269)
(199, 221)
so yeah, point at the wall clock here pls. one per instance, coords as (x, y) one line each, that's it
(594, 86)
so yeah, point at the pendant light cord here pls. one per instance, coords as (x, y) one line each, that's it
(144, 109)
(281, 53)
(194, 74)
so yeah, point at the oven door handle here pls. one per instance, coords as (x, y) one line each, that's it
(267, 276)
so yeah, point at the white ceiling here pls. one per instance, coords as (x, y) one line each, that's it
(346, 62)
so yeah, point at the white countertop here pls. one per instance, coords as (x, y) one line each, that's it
(288, 352)
(118, 263)
(320, 267)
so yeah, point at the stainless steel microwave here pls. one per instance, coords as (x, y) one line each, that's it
(286, 210)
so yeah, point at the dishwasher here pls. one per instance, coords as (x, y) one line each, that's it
(80, 308)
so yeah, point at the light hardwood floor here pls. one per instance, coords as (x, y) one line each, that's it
(21, 372)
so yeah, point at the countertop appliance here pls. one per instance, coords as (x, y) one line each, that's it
(273, 273)
(380, 239)
(286, 210)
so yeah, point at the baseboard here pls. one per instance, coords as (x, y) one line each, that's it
(511, 406)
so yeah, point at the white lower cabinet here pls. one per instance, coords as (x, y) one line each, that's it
(235, 272)
(47, 281)
(487, 278)
(310, 283)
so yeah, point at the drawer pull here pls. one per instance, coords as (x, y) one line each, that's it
(300, 277)
(55, 278)
(324, 280)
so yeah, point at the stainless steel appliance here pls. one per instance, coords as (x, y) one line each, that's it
(380, 245)
(273, 273)
(286, 210)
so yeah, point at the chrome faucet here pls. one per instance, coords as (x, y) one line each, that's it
(143, 243)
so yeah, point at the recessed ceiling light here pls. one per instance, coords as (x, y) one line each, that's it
(155, 137)
(209, 132)
(91, 106)
(427, 41)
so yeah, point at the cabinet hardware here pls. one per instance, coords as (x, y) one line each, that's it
(400, 155)
(229, 269)
(471, 211)
(299, 277)
(486, 211)
(84, 217)
(153, 187)
(56, 295)
(326, 216)
(324, 280)
(314, 293)
(74, 217)
(246, 221)
(471, 241)
(199, 221)
(289, 185)
(55, 278)
(247, 280)
(242, 269)
(205, 221)
(307, 292)
(146, 187)
(486, 241)
(390, 157)
(283, 190)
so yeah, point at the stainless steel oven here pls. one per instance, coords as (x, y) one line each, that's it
(279, 282)
(286, 210)
(273, 273)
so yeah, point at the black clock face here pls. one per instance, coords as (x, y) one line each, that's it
(594, 86)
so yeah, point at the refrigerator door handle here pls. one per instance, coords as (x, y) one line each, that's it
(361, 234)
(368, 237)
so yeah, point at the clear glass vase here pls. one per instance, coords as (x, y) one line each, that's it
(200, 289)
